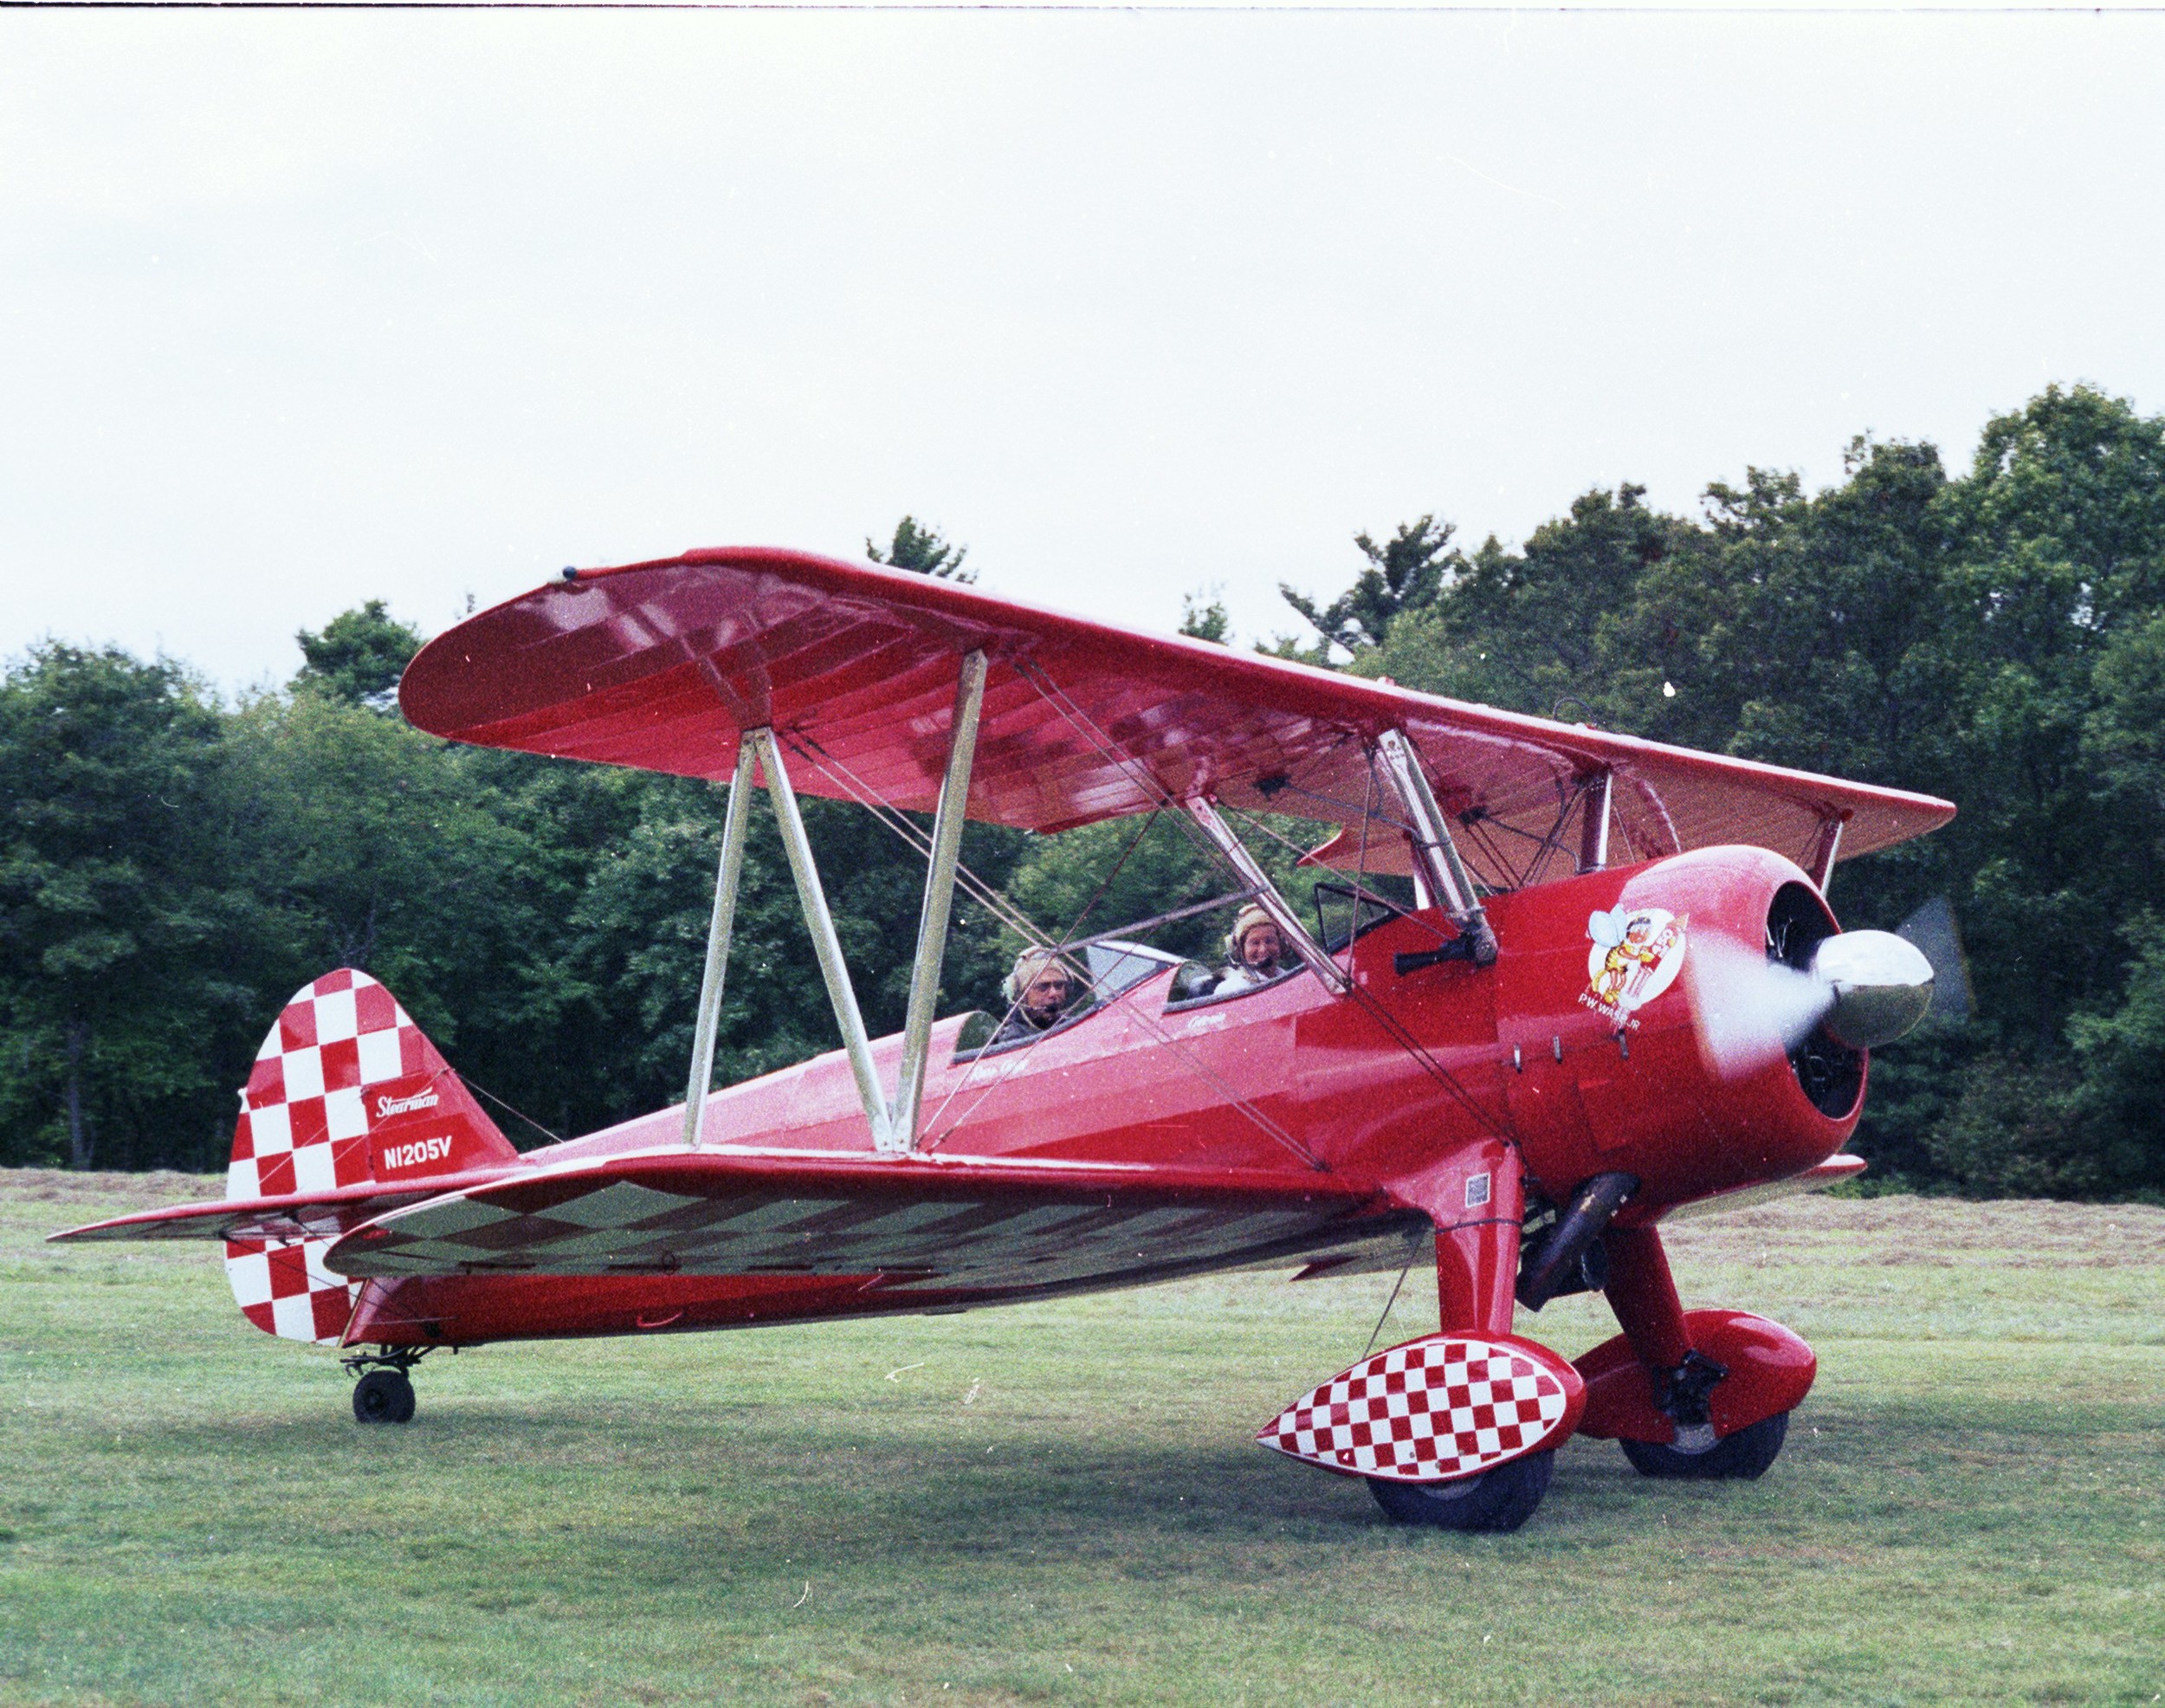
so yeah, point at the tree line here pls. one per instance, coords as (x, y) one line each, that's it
(172, 866)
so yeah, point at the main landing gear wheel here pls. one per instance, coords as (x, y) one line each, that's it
(1746, 1455)
(384, 1396)
(1501, 1498)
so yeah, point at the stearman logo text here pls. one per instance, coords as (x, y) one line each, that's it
(387, 1107)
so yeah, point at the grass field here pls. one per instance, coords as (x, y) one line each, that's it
(1062, 1502)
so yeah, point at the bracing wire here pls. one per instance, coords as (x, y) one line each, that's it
(1269, 1129)
(1376, 1333)
(1137, 772)
(1021, 1055)
(1057, 697)
(1383, 1018)
(863, 795)
(512, 1108)
(1263, 1124)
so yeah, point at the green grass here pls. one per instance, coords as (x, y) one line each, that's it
(1061, 1503)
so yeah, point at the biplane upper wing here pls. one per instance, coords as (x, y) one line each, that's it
(663, 665)
(984, 1223)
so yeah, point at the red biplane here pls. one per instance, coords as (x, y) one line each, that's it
(1609, 992)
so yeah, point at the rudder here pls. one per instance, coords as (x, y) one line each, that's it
(346, 1091)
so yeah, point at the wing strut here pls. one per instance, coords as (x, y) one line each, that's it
(1435, 855)
(1266, 895)
(820, 922)
(718, 931)
(1594, 831)
(893, 1125)
(1829, 850)
(932, 924)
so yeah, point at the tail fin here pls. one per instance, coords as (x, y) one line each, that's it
(346, 1091)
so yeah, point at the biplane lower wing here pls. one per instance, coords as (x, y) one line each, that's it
(991, 1225)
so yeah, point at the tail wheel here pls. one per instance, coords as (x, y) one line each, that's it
(384, 1396)
(1501, 1498)
(1746, 1455)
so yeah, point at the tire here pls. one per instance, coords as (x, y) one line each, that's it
(1499, 1499)
(1744, 1455)
(384, 1396)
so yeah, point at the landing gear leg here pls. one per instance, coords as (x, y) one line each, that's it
(1479, 1210)
(384, 1393)
(1644, 1295)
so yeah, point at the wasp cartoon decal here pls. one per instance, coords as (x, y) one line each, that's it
(1637, 954)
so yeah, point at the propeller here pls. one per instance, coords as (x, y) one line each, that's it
(1751, 1010)
(1866, 988)
(1932, 928)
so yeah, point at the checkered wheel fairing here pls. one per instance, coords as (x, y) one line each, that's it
(1442, 1407)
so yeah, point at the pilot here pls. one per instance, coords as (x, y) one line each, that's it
(1039, 992)
(1255, 951)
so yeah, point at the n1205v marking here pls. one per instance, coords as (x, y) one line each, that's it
(413, 1154)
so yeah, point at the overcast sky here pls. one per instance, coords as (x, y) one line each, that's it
(304, 309)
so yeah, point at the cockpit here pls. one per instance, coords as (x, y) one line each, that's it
(1105, 968)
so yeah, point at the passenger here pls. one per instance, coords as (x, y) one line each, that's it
(1255, 950)
(1039, 992)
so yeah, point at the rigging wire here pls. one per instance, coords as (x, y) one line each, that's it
(553, 1137)
(1137, 772)
(1203, 1071)
(1005, 911)
(1057, 697)
(1376, 1334)
(1360, 876)
(863, 795)
(1263, 1124)
(1059, 951)
(1384, 1019)
(1346, 807)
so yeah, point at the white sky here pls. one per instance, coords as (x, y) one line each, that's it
(297, 310)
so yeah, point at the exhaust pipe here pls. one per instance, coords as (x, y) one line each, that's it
(1562, 1258)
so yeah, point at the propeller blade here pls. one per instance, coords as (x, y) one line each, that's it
(1933, 930)
(1751, 1010)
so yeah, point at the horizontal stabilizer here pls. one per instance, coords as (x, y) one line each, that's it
(304, 1215)
(349, 1112)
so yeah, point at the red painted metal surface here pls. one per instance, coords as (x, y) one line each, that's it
(1303, 1107)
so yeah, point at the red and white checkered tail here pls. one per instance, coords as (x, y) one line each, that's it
(345, 1092)
(1436, 1408)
